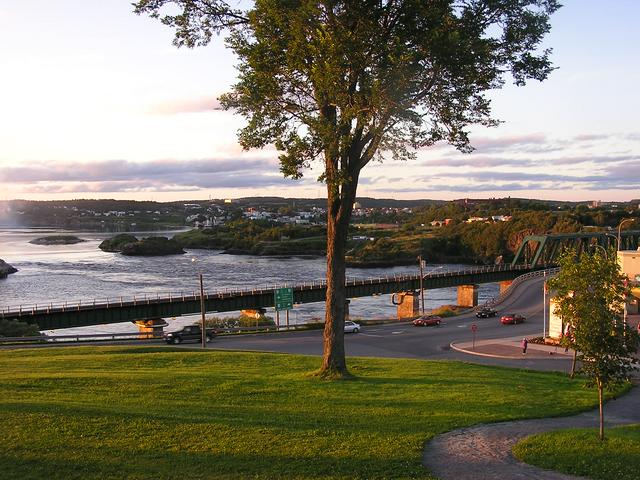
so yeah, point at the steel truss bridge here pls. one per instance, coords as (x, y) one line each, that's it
(546, 249)
(536, 252)
(150, 307)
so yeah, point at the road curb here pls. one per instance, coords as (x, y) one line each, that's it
(453, 346)
(530, 356)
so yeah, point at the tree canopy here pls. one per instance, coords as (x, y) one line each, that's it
(346, 82)
(590, 293)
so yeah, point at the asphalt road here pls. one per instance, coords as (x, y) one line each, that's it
(403, 340)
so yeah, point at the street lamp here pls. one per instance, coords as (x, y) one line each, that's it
(421, 285)
(604, 250)
(624, 314)
(203, 334)
(620, 228)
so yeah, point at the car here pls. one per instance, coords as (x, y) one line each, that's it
(486, 312)
(351, 327)
(512, 319)
(427, 321)
(189, 333)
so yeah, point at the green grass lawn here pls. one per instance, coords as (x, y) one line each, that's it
(155, 412)
(580, 452)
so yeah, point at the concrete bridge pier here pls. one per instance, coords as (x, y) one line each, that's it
(408, 304)
(154, 326)
(468, 295)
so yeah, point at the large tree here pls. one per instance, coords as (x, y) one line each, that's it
(590, 293)
(347, 82)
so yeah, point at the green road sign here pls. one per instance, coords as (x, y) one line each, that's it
(284, 298)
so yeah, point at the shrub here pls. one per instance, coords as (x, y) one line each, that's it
(14, 328)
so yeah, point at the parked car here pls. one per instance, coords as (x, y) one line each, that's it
(427, 321)
(486, 312)
(512, 319)
(351, 327)
(189, 333)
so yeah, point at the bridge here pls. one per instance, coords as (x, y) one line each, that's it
(546, 249)
(149, 307)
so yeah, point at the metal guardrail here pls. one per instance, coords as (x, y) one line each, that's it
(79, 338)
(170, 297)
(140, 335)
(517, 281)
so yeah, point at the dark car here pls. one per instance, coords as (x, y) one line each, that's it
(427, 321)
(486, 312)
(512, 319)
(189, 333)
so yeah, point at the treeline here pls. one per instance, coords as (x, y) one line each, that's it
(258, 237)
(478, 241)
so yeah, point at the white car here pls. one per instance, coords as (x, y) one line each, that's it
(351, 327)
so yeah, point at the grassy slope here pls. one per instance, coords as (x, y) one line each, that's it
(579, 452)
(151, 412)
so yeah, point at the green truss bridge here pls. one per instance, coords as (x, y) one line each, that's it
(151, 307)
(545, 249)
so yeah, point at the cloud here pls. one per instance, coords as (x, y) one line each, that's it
(535, 141)
(157, 176)
(586, 137)
(478, 162)
(485, 161)
(192, 105)
(107, 170)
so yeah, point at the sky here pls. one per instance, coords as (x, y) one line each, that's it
(95, 102)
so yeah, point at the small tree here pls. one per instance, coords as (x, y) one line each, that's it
(591, 292)
(340, 82)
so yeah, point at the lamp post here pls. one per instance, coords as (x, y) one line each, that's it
(614, 237)
(421, 286)
(624, 220)
(203, 334)
(604, 250)
(544, 306)
(624, 314)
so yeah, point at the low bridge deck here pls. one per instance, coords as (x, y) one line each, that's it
(92, 312)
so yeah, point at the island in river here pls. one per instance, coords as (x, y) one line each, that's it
(151, 246)
(57, 240)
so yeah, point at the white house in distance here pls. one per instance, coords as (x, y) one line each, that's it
(629, 261)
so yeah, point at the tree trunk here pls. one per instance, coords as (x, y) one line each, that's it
(601, 435)
(339, 210)
(573, 363)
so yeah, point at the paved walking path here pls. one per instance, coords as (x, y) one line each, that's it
(511, 348)
(483, 452)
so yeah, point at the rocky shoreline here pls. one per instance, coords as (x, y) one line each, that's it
(6, 269)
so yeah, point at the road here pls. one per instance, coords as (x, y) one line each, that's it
(403, 340)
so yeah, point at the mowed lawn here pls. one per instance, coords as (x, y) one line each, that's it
(159, 413)
(580, 452)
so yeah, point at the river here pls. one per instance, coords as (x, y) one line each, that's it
(57, 273)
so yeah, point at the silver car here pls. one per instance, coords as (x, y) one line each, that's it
(351, 327)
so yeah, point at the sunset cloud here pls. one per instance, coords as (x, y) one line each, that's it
(161, 175)
(186, 105)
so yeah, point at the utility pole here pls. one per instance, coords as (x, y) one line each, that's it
(544, 307)
(421, 287)
(203, 333)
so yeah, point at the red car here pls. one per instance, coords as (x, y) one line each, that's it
(512, 319)
(427, 321)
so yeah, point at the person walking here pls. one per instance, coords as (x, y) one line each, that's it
(525, 343)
